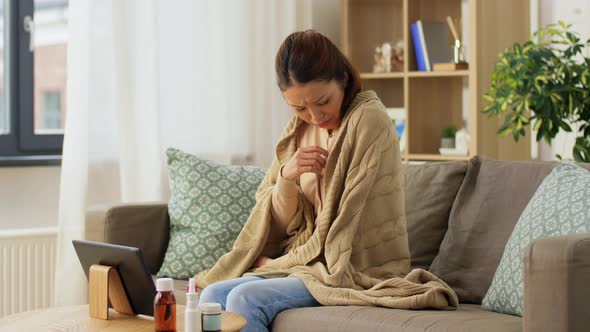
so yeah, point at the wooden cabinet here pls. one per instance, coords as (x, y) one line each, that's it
(432, 100)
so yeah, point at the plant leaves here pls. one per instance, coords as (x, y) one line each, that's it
(545, 82)
(538, 124)
(581, 150)
(504, 130)
(565, 126)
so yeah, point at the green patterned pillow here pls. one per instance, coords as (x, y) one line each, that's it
(209, 205)
(560, 206)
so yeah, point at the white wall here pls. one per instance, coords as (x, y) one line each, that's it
(28, 197)
(326, 18)
(576, 13)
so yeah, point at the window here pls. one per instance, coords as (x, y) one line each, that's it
(33, 106)
(50, 114)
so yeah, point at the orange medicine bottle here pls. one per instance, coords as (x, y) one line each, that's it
(165, 306)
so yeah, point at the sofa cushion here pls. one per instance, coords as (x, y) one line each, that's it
(561, 206)
(488, 205)
(467, 317)
(143, 225)
(430, 191)
(209, 205)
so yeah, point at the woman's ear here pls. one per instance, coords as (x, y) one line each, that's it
(345, 80)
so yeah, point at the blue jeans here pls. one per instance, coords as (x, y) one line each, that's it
(258, 299)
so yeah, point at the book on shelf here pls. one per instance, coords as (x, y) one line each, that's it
(418, 40)
(431, 44)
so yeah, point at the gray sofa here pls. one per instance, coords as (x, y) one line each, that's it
(459, 216)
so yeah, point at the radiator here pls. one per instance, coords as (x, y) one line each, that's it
(27, 266)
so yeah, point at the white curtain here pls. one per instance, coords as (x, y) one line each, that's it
(144, 75)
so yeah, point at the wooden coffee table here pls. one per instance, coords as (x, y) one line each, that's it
(76, 318)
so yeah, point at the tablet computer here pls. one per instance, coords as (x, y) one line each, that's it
(131, 266)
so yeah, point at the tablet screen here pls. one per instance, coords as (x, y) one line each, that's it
(131, 266)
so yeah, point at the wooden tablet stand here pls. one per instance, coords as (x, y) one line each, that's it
(104, 285)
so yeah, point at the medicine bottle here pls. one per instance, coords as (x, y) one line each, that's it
(165, 306)
(210, 317)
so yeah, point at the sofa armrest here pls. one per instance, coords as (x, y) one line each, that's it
(95, 223)
(556, 292)
(145, 226)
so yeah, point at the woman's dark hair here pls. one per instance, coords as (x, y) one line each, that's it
(307, 56)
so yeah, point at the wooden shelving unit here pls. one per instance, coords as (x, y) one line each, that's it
(459, 73)
(433, 99)
(372, 76)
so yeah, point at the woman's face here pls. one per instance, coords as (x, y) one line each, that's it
(317, 103)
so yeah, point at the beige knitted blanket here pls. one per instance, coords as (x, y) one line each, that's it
(356, 251)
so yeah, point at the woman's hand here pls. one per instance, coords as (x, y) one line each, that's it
(310, 159)
(262, 260)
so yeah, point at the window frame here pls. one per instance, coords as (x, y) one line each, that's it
(22, 142)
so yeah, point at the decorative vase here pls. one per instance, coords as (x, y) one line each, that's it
(447, 143)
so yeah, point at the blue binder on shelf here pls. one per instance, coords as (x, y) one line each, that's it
(419, 47)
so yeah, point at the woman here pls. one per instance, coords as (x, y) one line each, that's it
(330, 207)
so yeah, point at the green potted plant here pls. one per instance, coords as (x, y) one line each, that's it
(544, 83)
(448, 136)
